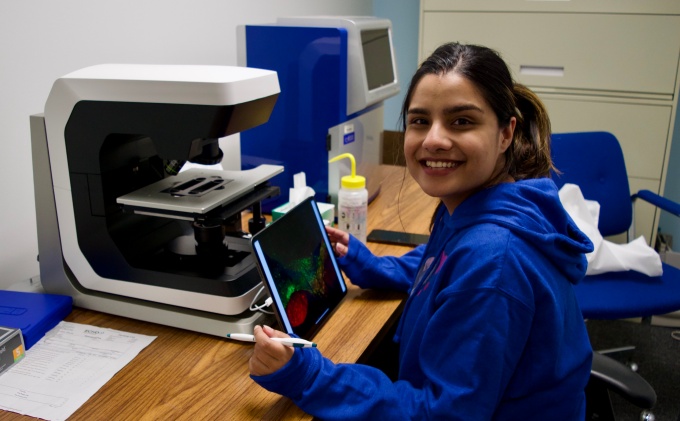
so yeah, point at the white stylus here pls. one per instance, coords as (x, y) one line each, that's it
(292, 342)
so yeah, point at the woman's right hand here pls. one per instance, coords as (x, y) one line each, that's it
(339, 239)
(268, 356)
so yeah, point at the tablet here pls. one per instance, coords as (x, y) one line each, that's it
(297, 265)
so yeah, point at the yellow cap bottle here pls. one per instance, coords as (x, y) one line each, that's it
(352, 201)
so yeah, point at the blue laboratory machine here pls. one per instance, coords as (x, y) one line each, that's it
(335, 72)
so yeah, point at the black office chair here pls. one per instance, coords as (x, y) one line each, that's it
(607, 374)
(594, 161)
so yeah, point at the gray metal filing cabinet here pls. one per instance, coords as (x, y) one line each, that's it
(608, 65)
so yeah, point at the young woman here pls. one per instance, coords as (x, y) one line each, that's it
(491, 329)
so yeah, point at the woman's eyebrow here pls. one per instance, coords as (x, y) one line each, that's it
(418, 111)
(449, 110)
(463, 107)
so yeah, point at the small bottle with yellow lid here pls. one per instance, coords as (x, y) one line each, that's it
(352, 201)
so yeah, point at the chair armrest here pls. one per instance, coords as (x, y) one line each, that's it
(658, 201)
(624, 381)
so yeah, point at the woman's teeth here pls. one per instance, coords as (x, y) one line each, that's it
(439, 164)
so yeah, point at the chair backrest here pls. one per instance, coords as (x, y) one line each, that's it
(594, 162)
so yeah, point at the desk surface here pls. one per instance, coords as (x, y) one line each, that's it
(189, 375)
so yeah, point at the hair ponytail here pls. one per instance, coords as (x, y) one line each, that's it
(529, 154)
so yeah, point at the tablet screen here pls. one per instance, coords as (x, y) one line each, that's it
(299, 270)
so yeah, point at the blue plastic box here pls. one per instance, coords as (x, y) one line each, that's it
(33, 313)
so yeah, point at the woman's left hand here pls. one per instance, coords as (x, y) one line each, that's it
(268, 356)
(339, 239)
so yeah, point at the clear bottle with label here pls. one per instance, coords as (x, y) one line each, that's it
(352, 201)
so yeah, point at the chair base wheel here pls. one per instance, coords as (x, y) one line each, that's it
(647, 416)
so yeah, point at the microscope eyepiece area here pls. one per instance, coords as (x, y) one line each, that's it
(210, 152)
(209, 233)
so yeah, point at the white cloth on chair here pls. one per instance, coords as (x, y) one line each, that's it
(637, 255)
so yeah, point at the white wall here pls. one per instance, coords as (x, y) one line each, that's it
(41, 40)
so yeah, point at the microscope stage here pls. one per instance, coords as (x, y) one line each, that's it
(195, 192)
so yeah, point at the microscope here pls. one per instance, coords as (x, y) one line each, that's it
(121, 227)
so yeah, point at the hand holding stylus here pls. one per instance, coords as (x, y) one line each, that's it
(291, 342)
(268, 355)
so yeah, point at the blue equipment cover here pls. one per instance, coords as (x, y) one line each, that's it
(33, 313)
(311, 64)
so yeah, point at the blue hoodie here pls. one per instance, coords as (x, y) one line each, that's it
(491, 329)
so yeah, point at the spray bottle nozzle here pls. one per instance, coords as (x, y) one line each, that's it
(352, 181)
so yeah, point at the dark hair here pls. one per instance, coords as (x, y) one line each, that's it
(528, 155)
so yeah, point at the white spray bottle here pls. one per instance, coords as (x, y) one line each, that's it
(352, 201)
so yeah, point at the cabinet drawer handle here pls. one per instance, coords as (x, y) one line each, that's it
(555, 71)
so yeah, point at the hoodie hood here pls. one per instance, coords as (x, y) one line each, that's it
(532, 210)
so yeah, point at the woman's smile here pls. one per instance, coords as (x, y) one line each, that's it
(441, 164)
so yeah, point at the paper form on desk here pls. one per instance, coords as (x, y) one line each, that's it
(65, 368)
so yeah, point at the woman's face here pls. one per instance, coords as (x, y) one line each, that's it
(453, 144)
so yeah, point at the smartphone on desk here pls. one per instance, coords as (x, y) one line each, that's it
(399, 238)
